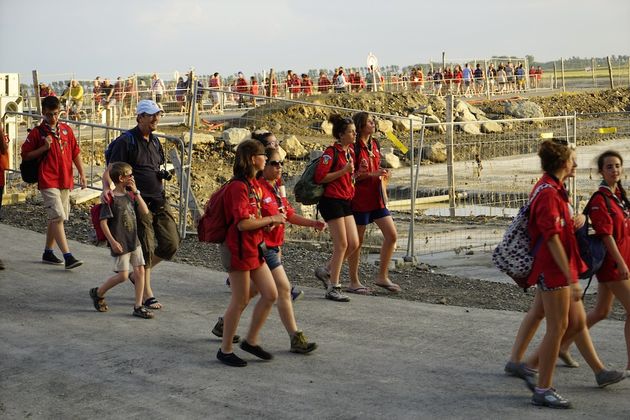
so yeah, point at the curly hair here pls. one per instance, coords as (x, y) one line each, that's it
(553, 155)
(340, 124)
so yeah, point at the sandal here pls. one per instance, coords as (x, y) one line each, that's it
(152, 303)
(391, 287)
(99, 302)
(142, 312)
(361, 290)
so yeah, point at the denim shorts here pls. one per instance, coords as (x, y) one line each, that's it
(362, 218)
(272, 257)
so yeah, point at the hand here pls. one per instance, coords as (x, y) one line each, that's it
(319, 225)
(116, 247)
(278, 219)
(131, 183)
(576, 291)
(383, 172)
(349, 168)
(48, 142)
(578, 221)
(107, 196)
(82, 181)
(624, 274)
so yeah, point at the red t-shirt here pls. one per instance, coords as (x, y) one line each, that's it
(241, 85)
(243, 202)
(307, 87)
(368, 193)
(550, 214)
(271, 203)
(324, 84)
(55, 169)
(294, 85)
(342, 187)
(4, 159)
(254, 88)
(616, 224)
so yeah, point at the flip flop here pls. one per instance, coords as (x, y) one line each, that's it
(362, 290)
(393, 287)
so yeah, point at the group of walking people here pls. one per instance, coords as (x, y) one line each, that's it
(557, 264)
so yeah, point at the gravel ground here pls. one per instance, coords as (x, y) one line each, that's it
(418, 283)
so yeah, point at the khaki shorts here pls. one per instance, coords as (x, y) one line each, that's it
(133, 258)
(57, 203)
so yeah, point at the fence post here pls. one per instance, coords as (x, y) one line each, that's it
(450, 155)
(562, 74)
(38, 100)
(487, 73)
(593, 68)
(610, 73)
(554, 84)
(412, 196)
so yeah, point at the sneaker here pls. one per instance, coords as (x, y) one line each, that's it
(142, 312)
(218, 331)
(550, 398)
(72, 262)
(334, 293)
(256, 351)
(296, 294)
(230, 359)
(520, 370)
(608, 377)
(51, 258)
(300, 344)
(323, 275)
(568, 360)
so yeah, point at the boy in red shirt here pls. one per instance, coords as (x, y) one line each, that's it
(54, 144)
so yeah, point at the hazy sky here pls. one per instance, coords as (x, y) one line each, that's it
(117, 38)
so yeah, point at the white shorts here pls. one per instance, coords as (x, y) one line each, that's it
(57, 203)
(124, 261)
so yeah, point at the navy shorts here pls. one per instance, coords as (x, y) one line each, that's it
(362, 218)
(272, 257)
(334, 208)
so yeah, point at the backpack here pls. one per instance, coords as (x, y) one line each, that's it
(132, 147)
(512, 255)
(95, 216)
(592, 248)
(214, 223)
(306, 190)
(29, 169)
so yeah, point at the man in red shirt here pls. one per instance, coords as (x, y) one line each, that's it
(242, 87)
(54, 145)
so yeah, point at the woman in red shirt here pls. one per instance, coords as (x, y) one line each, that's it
(241, 253)
(274, 202)
(335, 170)
(368, 204)
(614, 230)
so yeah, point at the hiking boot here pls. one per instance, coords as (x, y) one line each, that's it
(334, 293)
(608, 377)
(218, 331)
(256, 351)
(300, 344)
(323, 275)
(520, 370)
(142, 312)
(231, 359)
(296, 294)
(51, 258)
(550, 398)
(568, 360)
(72, 262)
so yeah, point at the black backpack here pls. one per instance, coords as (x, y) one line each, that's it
(132, 148)
(29, 169)
(592, 248)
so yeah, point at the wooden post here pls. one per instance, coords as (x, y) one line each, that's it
(593, 69)
(450, 155)
(610, 73)
(38, 100)
(562, 74)
(554, 85)
(443, 61)
(272, 74)
(487, 73)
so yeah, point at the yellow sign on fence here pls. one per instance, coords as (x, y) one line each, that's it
(607, 130)
(397, 142)
(546, 135)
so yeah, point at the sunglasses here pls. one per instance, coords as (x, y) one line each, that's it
(276, 163)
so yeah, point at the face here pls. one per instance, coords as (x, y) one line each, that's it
(149, 122)
(571, 166)
(272, 142)
(273, 167)
(612, 170)
(259, 161)
(349, 135)
(127, 178)
(51, 116)
(369, 128)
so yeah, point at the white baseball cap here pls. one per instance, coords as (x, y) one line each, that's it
(147, 106)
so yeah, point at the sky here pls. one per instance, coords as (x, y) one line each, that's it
(84, 38)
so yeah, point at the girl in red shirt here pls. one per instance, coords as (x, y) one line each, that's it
(614, 229)
(335, 170)
(368, 204)
(274, 202)
(241, 253)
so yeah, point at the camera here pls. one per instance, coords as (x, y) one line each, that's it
(164, 174)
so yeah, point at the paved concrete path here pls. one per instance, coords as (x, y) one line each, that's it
(377, 357)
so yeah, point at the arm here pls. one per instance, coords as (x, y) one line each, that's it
(560, 258)
(296, 219)
(36, 153)
(79, 164)
(116, 246)
(613, 250)
(253, 224)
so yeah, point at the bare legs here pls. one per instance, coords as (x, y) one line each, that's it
(345, 242)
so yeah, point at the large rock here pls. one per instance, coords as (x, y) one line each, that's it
(282, 153)
(401, 124)
(524, 109)
(385, 126)
(465, 116)
(489, 126)
(437, 126)
(390, 160)
(470, 128)
(459, 106)
(435, 152)
(199, 138)
(424, 109)
(294, 148)
(234, 136)
(476, 111)
(326, 127)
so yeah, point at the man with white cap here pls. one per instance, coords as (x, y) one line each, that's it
(157, 230)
